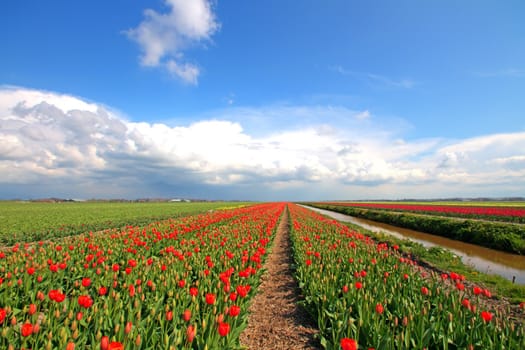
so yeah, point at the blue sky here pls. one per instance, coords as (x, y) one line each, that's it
(262, 100)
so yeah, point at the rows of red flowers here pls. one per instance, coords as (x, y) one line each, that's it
(482, 212)
(177, 284)
(363, 293)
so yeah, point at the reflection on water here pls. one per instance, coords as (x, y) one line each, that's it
(482, 259)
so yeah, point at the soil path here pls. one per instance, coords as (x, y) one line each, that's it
(276, 321)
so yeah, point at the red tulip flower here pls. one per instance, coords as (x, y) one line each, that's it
(224, 329)
(86, 282)
(379, 309)
(85, 301)
(26, 330)
(234, 310)
(104, 343)
(190, 333)
(348, 344)
(3, 314)
(210, 299)
(115, 346)
(487, 316)
(186, 315)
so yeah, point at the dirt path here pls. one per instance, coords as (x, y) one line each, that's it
(276, 321)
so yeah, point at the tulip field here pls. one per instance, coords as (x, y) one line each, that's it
(174, 284)
(32, 221)
(497, 212)
(494, 227)
(365, 293)
(187, 282)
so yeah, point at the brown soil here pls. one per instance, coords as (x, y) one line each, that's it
(276, 321)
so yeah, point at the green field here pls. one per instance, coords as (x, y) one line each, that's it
(31, 221)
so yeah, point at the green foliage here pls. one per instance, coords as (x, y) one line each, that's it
(172, 284)
(496, 235)
(29, 221)
(368, 292)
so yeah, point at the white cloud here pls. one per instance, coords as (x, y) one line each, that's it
(163, 37)
(187, 72)
(61, 142)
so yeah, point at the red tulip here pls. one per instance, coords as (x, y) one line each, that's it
(86, 282)
(348, 344)
(487, 316)
(379, 309)
(104, 343)
(115, 346)
(243, 290)
(85, 301)
(210, 298)
(186, 315)
(224, 329)
(190, 333)
(26, 330)
(234, 310)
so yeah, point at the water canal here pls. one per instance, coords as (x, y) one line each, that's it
(490, 261)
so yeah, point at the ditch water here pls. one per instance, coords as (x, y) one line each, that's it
(483, 259)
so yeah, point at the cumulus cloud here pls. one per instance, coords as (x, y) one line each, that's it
(163, 37)
(55, 142)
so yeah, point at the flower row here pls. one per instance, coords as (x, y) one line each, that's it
(366, 293)
(175, 284)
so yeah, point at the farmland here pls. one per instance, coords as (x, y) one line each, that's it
(187, 282)
(503, 234)
(179, 283)
(29, 221)
(363, 292)
(496, 211)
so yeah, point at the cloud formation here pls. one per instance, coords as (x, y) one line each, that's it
(163, 37)
(54, 142)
